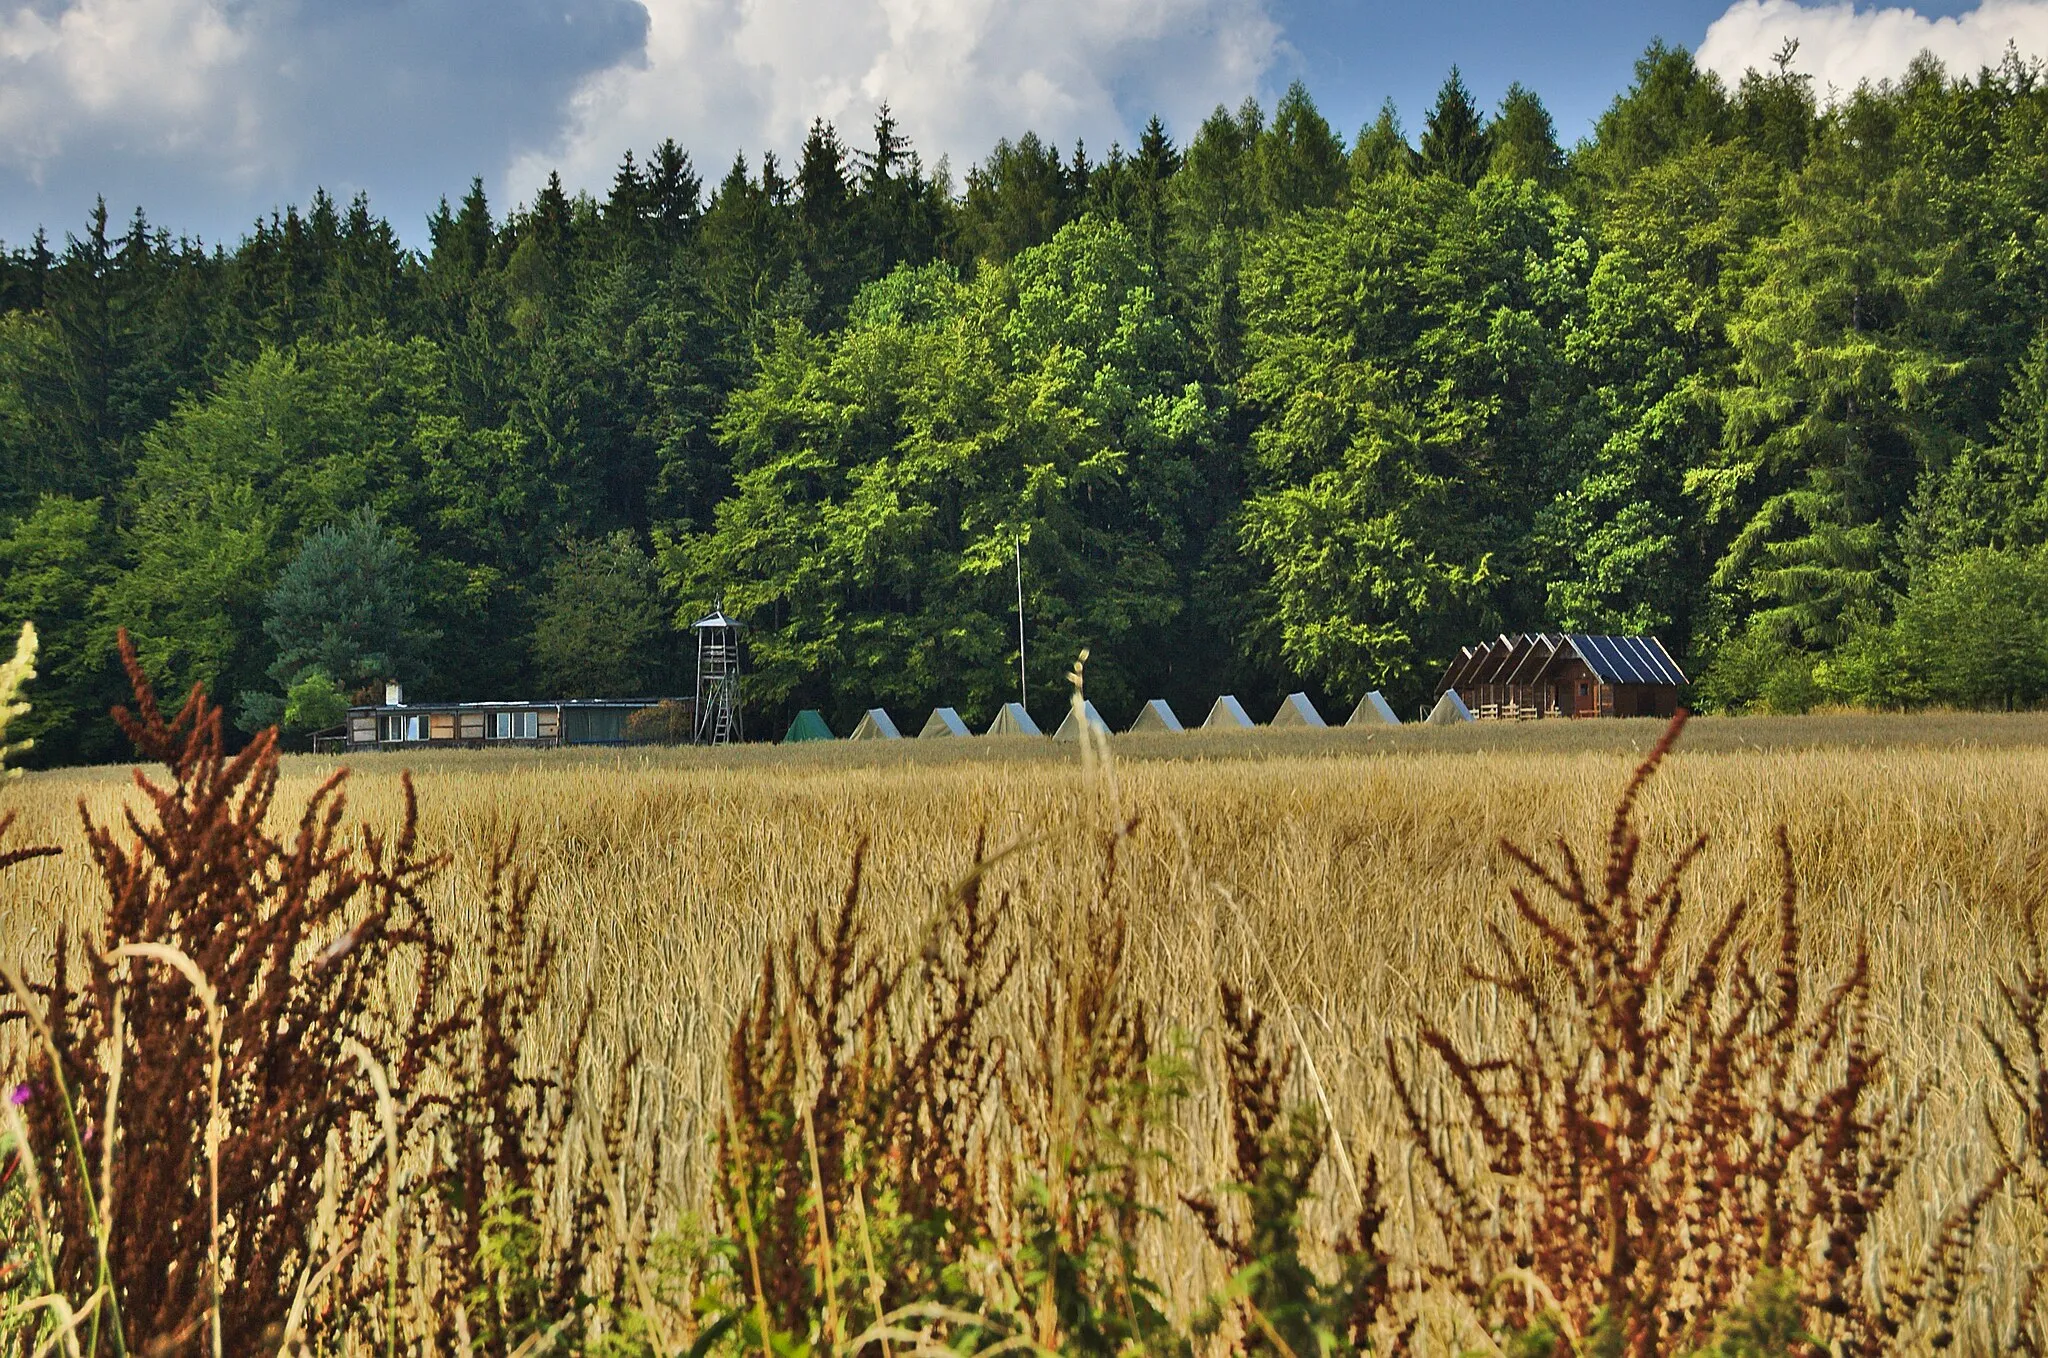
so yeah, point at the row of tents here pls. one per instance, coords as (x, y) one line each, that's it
(1155, 717)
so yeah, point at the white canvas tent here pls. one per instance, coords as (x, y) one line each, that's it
(875, 724)
(1373, 710)
(943, 721)
(1297, 710)
(1156, 716)
(1449, 710)
(1228, 715)
(1013, 720)
(1070, 729)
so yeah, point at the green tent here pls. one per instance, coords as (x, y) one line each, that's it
(809, 725)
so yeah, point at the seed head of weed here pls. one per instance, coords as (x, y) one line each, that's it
(1654, 1132)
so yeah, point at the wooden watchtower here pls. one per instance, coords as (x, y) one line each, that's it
(718, 679)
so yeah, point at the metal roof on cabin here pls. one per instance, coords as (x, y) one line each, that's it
(1467, 658)
(1486, 658)
(1460, 662)
(1523, 658)
(506, 704)
(1626, 660)
(1507, 656)
(1536, 657)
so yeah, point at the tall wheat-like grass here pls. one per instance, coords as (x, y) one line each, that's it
(1342, 886)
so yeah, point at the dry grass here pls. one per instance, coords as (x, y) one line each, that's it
(1344, 879)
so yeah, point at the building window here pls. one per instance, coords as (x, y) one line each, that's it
(1584, 690)
(415, 728)
(515, 725)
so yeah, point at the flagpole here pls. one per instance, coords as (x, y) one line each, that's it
(1023, 699)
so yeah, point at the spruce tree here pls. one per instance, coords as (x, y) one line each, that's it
(627, 206)
(673, 191)
(1673, 105)
(1382, 148)
(1301, 161)
(1016, 199)
(83, 310)
(1525, 140)
(1775, 110)
(474, 232)
(828, 249)
(343, 608)
(1152, 171)
(553, 217)
(1454, 144)
(601, 624)
(1157, 159)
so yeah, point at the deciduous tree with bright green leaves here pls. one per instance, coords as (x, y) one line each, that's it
(1416, 405)
(889, 476)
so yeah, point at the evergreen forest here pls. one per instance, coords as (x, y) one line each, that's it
(1247, 407)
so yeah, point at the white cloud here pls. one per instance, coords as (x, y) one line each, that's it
(725, 75)
(212, 113)
(1841, 46)
(145, 72)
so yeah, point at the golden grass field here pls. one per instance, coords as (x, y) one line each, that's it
(1345, 877)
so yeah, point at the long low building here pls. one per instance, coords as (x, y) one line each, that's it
(1565, 674)
(575, 721)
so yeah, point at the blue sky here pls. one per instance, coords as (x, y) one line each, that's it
(1576, 56)
(210, 113)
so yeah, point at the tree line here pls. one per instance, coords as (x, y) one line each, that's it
(1263, 410)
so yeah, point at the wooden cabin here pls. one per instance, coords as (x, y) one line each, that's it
(402, 725)
(1565, 674)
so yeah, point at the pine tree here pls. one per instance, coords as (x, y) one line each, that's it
(343, 607)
